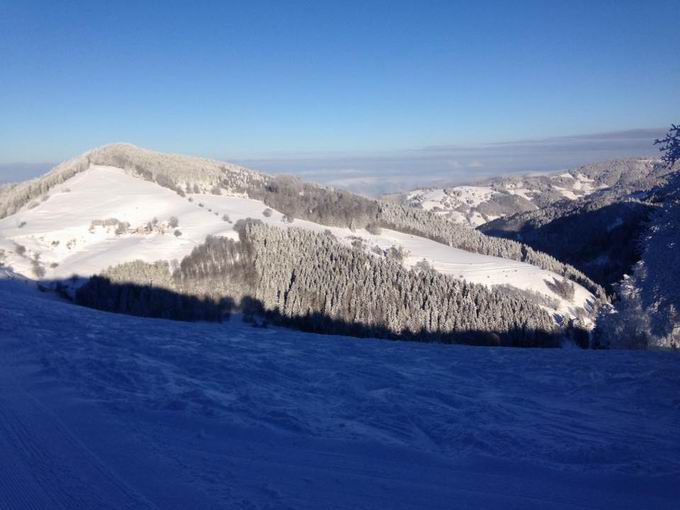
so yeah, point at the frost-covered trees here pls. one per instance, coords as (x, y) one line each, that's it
(139, 288)
(320, 204)
(171, 171)
(328, 206)
(647, 313)
(310, 281)
(431, 226)
(627, 327)
(15, 196)
(670, 146)
(121, 227)
(563, 288)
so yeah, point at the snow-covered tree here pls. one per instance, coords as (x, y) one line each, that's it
(670, 145)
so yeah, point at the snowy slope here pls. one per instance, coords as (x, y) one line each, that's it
(109, 411)
(58, 234)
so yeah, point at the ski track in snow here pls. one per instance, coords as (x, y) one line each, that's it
(45, 466)
(107, 411)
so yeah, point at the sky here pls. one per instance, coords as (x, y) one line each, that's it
(344, 86)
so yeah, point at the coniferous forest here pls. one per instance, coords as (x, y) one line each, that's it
(310, 281)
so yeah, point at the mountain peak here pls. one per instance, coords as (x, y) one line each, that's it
(172, 171)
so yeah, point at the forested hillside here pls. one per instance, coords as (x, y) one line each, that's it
(430, 225)
(597, 234)
(310, 281)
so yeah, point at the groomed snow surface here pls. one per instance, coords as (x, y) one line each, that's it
(108, 411)
(59, 232)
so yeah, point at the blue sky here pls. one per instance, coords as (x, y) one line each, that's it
(273, 80)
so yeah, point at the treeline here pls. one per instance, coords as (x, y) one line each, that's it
(147, 290)
(15, 196)
(182, 174)
(310, 281)
(295, 198)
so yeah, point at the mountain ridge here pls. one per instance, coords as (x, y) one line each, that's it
(499, 197)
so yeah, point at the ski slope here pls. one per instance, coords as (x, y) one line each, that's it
(58, 235)
(108, 411)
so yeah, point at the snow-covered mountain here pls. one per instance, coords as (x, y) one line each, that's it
(107, 411)
(499, 197)
(120, 203)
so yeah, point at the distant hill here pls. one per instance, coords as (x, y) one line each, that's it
(499, 197)
(597, 233)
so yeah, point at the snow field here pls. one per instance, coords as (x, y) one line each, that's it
(108, 411)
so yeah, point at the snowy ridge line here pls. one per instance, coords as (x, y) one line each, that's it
(166, 169)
